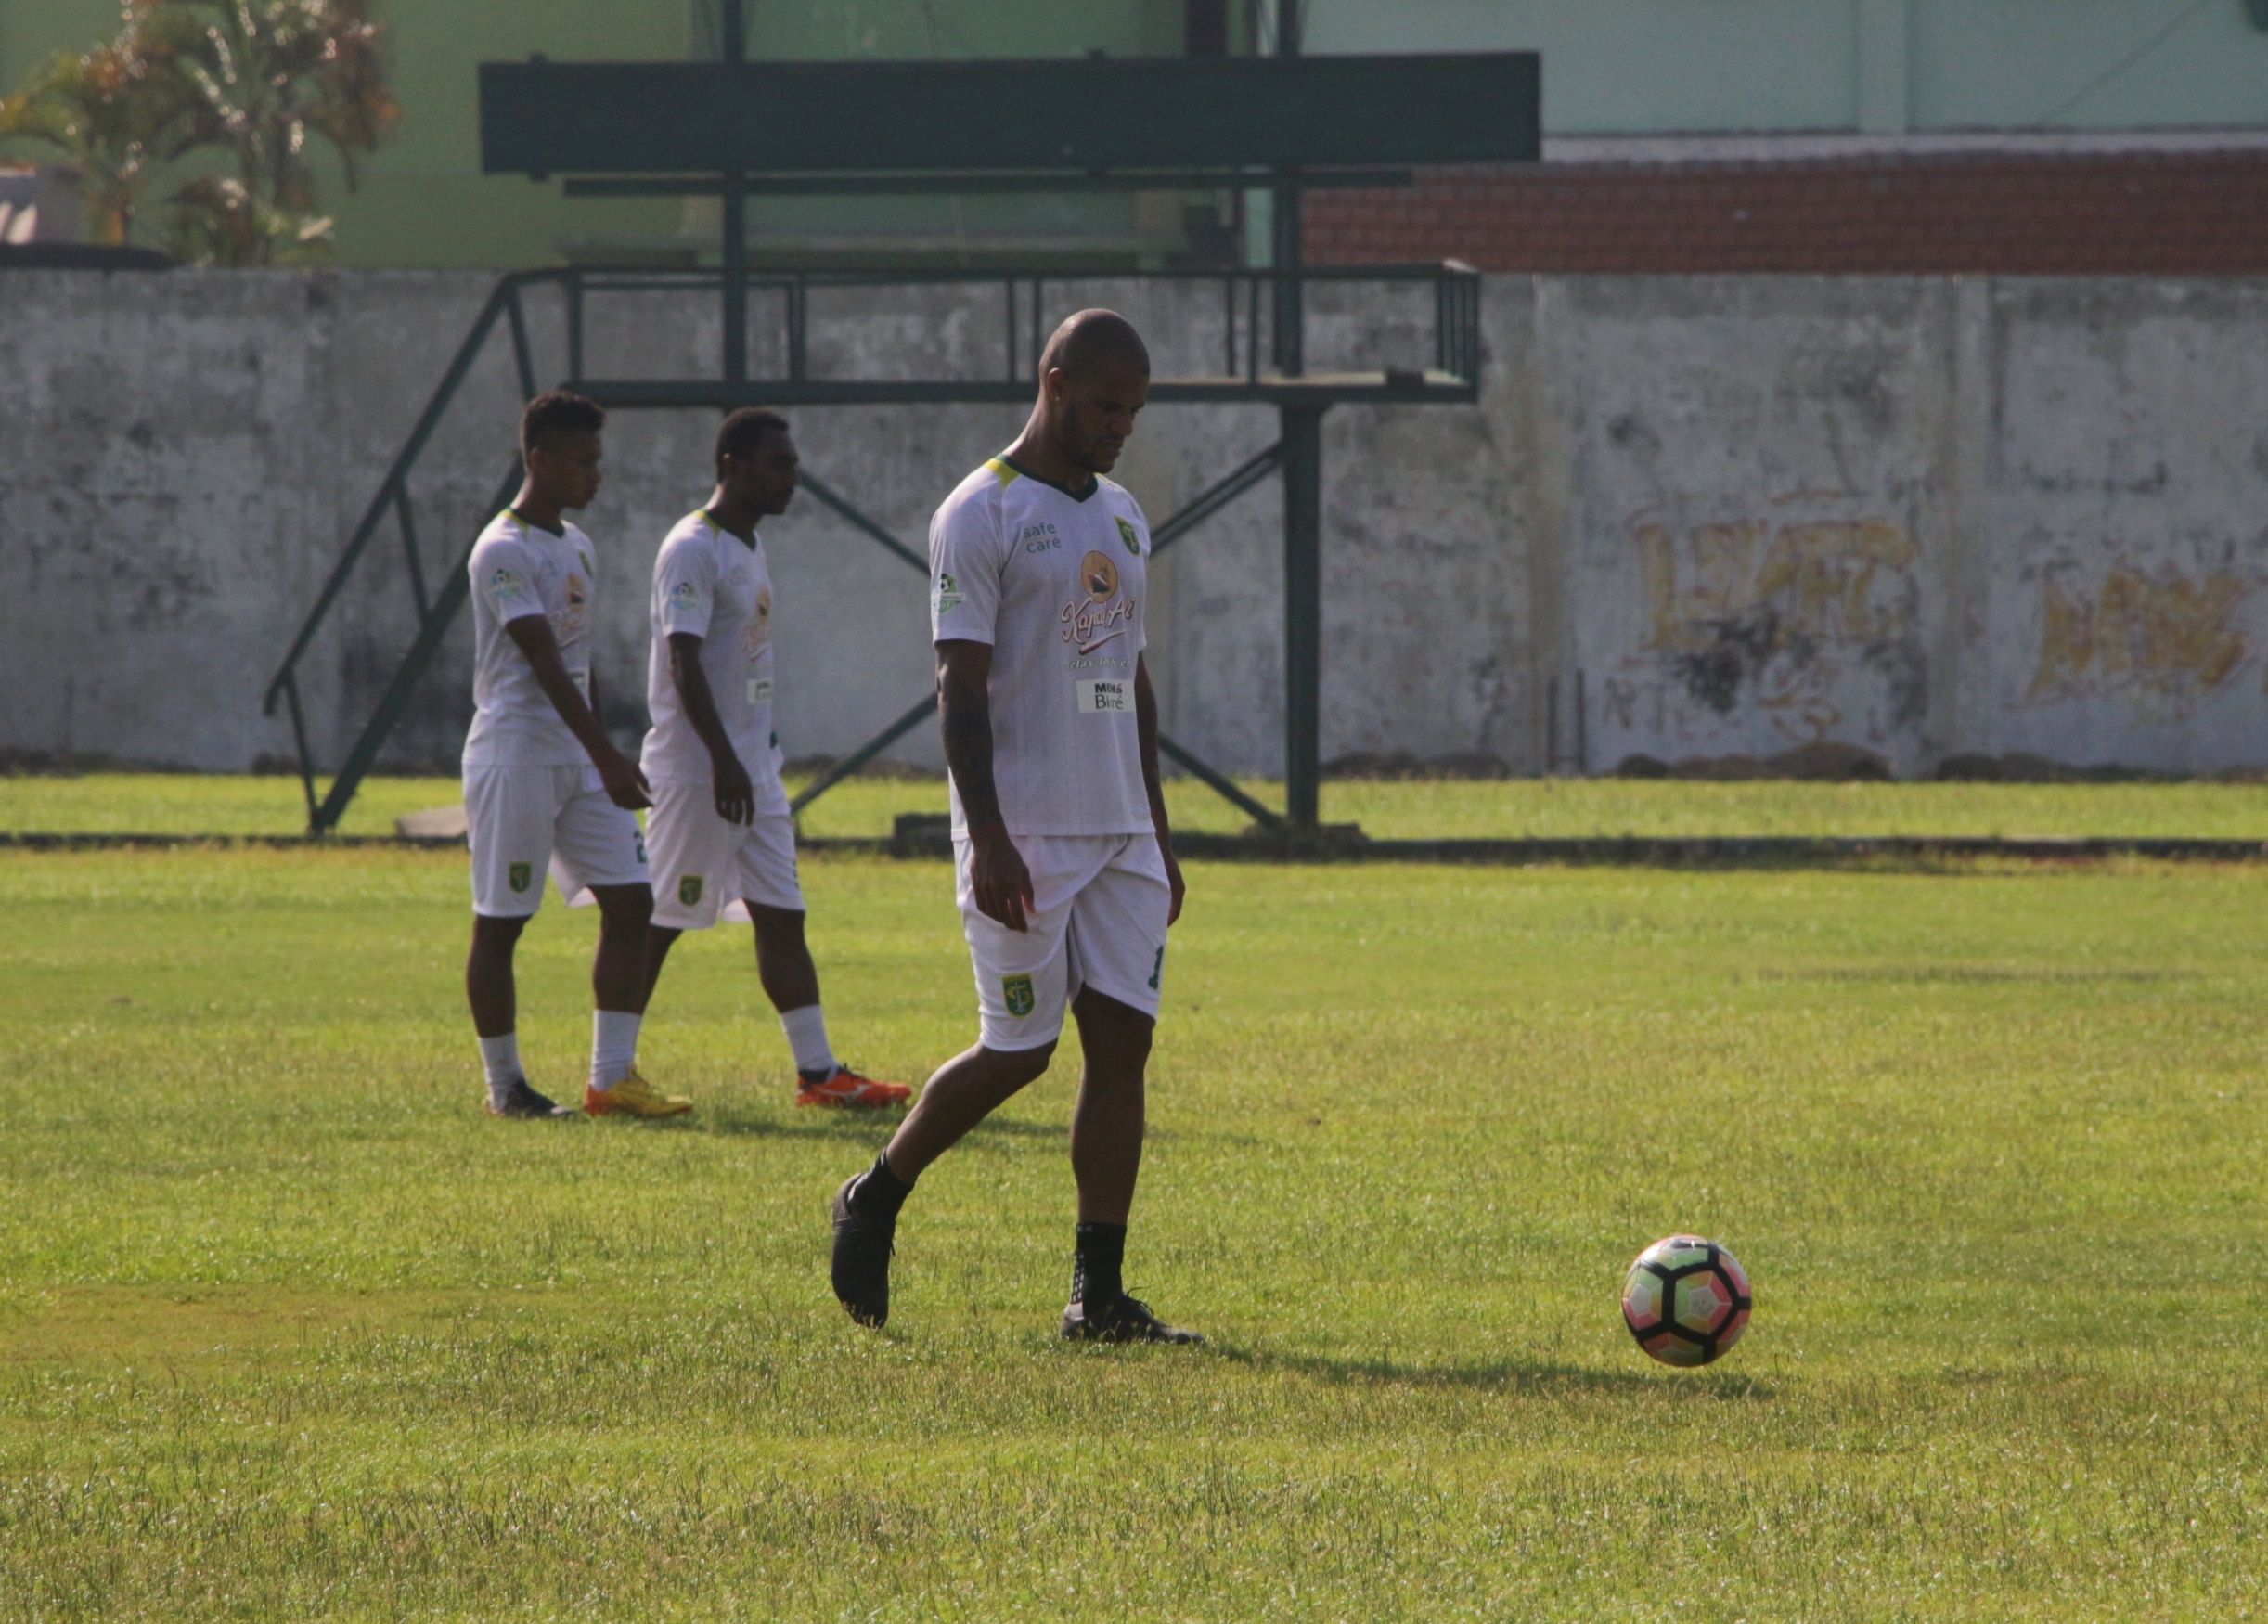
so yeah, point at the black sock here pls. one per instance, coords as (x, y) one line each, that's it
(1095, 1266)
(880, 1191)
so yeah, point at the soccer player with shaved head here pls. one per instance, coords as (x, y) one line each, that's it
(1064, 863)
(545, 791)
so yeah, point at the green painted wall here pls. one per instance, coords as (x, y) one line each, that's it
(1610, 67)
(1731, 66)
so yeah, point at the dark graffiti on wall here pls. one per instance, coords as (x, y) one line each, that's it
(1805, 607)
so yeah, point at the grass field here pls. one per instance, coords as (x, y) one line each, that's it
(288, 1329)
(180, 803)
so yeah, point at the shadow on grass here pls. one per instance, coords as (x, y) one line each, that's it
(1494, 1375)
(835, 1126)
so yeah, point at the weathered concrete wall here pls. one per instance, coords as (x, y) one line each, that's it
(1924, 516)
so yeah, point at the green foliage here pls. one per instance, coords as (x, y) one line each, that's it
(288, 1329)
(117, 114)
(258, 84)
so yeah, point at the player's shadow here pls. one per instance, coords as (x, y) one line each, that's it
(1492, 1375)
(836, 1127)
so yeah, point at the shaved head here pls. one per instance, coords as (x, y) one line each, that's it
(1091, 341)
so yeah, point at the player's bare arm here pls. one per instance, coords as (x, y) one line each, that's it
(625, 785)
(736, 794)
(997, 873)
(1145, 728)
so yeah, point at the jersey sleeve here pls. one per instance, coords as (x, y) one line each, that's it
(685, 589)
(503, 575)
(966, 554)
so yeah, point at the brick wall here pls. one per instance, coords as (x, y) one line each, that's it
(2190, 214)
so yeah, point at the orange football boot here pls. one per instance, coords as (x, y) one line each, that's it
(846, 1088)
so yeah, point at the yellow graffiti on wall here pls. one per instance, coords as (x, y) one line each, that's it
(1820, 575)
(2168, 633)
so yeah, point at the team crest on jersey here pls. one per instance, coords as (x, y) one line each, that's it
(685, 597)
(1127, 534)
(505, 586)
(948, 596)
(689, 889)
(1017, 990)
(520, 876)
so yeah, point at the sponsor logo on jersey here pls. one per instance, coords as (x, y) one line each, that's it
(1089, 625)
(689, 889)
(685, 597)
(1041, 537)
(948, 596)
(569, 622)
(1127, 534)
(1099, 577)
(520, 874)
(505, 586)
(1017, 990)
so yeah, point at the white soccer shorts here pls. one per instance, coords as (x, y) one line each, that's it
(702, 865)
(525, 820)
(1098, 920)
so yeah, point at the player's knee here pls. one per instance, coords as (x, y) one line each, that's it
(1021, 1067)
(624, 908)
(495, 934)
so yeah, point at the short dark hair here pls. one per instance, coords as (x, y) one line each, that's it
(561, 412)
(744, 430)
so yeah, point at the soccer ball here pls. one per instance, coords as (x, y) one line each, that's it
(1686, 1300)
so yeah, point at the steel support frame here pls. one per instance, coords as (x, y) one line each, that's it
(1296, 455)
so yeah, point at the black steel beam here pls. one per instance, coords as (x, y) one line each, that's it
(969, 118)
(1303, 613)
(1311, 391)
(791, 186)
(843, 766)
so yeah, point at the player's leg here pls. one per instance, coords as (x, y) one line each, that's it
(688, 846)
(1022, 984)
(601, 851)
(508, 815)
(1116, 951)
(658, 940)
(764, 878)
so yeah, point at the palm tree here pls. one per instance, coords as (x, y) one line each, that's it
(268, 78)
(116, 113)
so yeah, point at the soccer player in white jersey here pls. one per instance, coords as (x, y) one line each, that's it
(722, 837)
(1064, 863)
(545, 788)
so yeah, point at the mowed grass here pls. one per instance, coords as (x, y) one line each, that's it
(1522, 809)
(288, 1329)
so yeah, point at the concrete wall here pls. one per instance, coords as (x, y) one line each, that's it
(1922, 516)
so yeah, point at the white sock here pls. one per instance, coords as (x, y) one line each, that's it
(807, 1030)
(500, 1060)
(614, 1047)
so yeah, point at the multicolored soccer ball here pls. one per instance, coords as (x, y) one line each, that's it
(1687, 1299)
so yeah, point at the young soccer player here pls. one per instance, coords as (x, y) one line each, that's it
(720, 831)
(1066, 875)
(545, 789)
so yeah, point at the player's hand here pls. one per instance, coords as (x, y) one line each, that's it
(735, 796)
(1173, 880)
(625, 785)
(997, 874)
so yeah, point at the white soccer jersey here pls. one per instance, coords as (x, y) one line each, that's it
(1055, 583)
(707, 580)
(520, 569)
